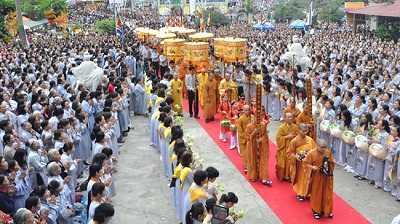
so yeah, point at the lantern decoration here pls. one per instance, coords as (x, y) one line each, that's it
(196, 53)
(174, 48)
(201, 36)
(235, 50)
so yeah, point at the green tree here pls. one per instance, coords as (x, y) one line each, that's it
(291, 10)
(330, 10)
(217, 18)
(105, 26)
(248, 9)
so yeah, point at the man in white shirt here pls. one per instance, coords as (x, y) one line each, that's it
(238, 78)
(192, 84)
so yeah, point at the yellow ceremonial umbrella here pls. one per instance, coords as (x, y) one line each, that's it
(164, 36)
(201, 36)
(174, 29)
(186, 31)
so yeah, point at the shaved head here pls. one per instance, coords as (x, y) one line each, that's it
(321, 142)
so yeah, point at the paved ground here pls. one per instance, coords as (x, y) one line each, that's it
(143, 195)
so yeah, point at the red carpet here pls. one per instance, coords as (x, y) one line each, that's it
(280, 197)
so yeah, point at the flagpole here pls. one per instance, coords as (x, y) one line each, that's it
(115, 22)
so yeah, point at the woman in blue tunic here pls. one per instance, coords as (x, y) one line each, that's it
(87, 106)
(390, 160)
(328, 114)
(336, 142)
(375, 166)
(186, 180)
(373, 108)
(361, 157)
(84, 145)
(346, 155)
(140, 93)
(274, 104)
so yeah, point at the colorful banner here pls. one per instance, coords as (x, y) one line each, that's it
(118, 25)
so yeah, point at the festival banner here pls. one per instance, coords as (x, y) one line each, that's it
(118, 26)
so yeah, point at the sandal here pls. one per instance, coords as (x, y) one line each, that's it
(316, 215)
(301, 199)
(330, 216)
(361, 178)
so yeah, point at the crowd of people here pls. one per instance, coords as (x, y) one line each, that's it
(51, 133)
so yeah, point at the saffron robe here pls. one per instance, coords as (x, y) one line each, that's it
(176, 87)
(257, 153)
(243, 121)
(209, 92)
(296, 167)
(229, 88)
(282, 165)
(321, 186)
(202, 79)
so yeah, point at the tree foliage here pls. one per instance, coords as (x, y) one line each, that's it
(217, 18)
(330, 10)
(105, 26)
(290, 10)
(248, 8)
(34, 8)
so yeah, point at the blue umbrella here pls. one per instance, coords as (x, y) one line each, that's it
(264, 26)
(297, 24)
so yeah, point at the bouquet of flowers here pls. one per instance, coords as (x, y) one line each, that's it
(198, 162)
(372, 131)
(177, 107)
(237, 214)
(178, 120)
(220, 187)
(302, 154)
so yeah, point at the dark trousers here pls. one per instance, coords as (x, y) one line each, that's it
(156, 67)
(162, 70)
(193, 97)
(240, 90)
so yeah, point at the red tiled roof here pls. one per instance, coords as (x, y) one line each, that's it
(384, 9)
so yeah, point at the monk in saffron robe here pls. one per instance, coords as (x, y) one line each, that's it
(227, 86)
(321, 184)
(296, 147)
(257, 152)
(307, 118)
(243, 121)
(203, 76)
(286, 132)
(176, 87)
(292, 109)
(210, 97)
(218, 78)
